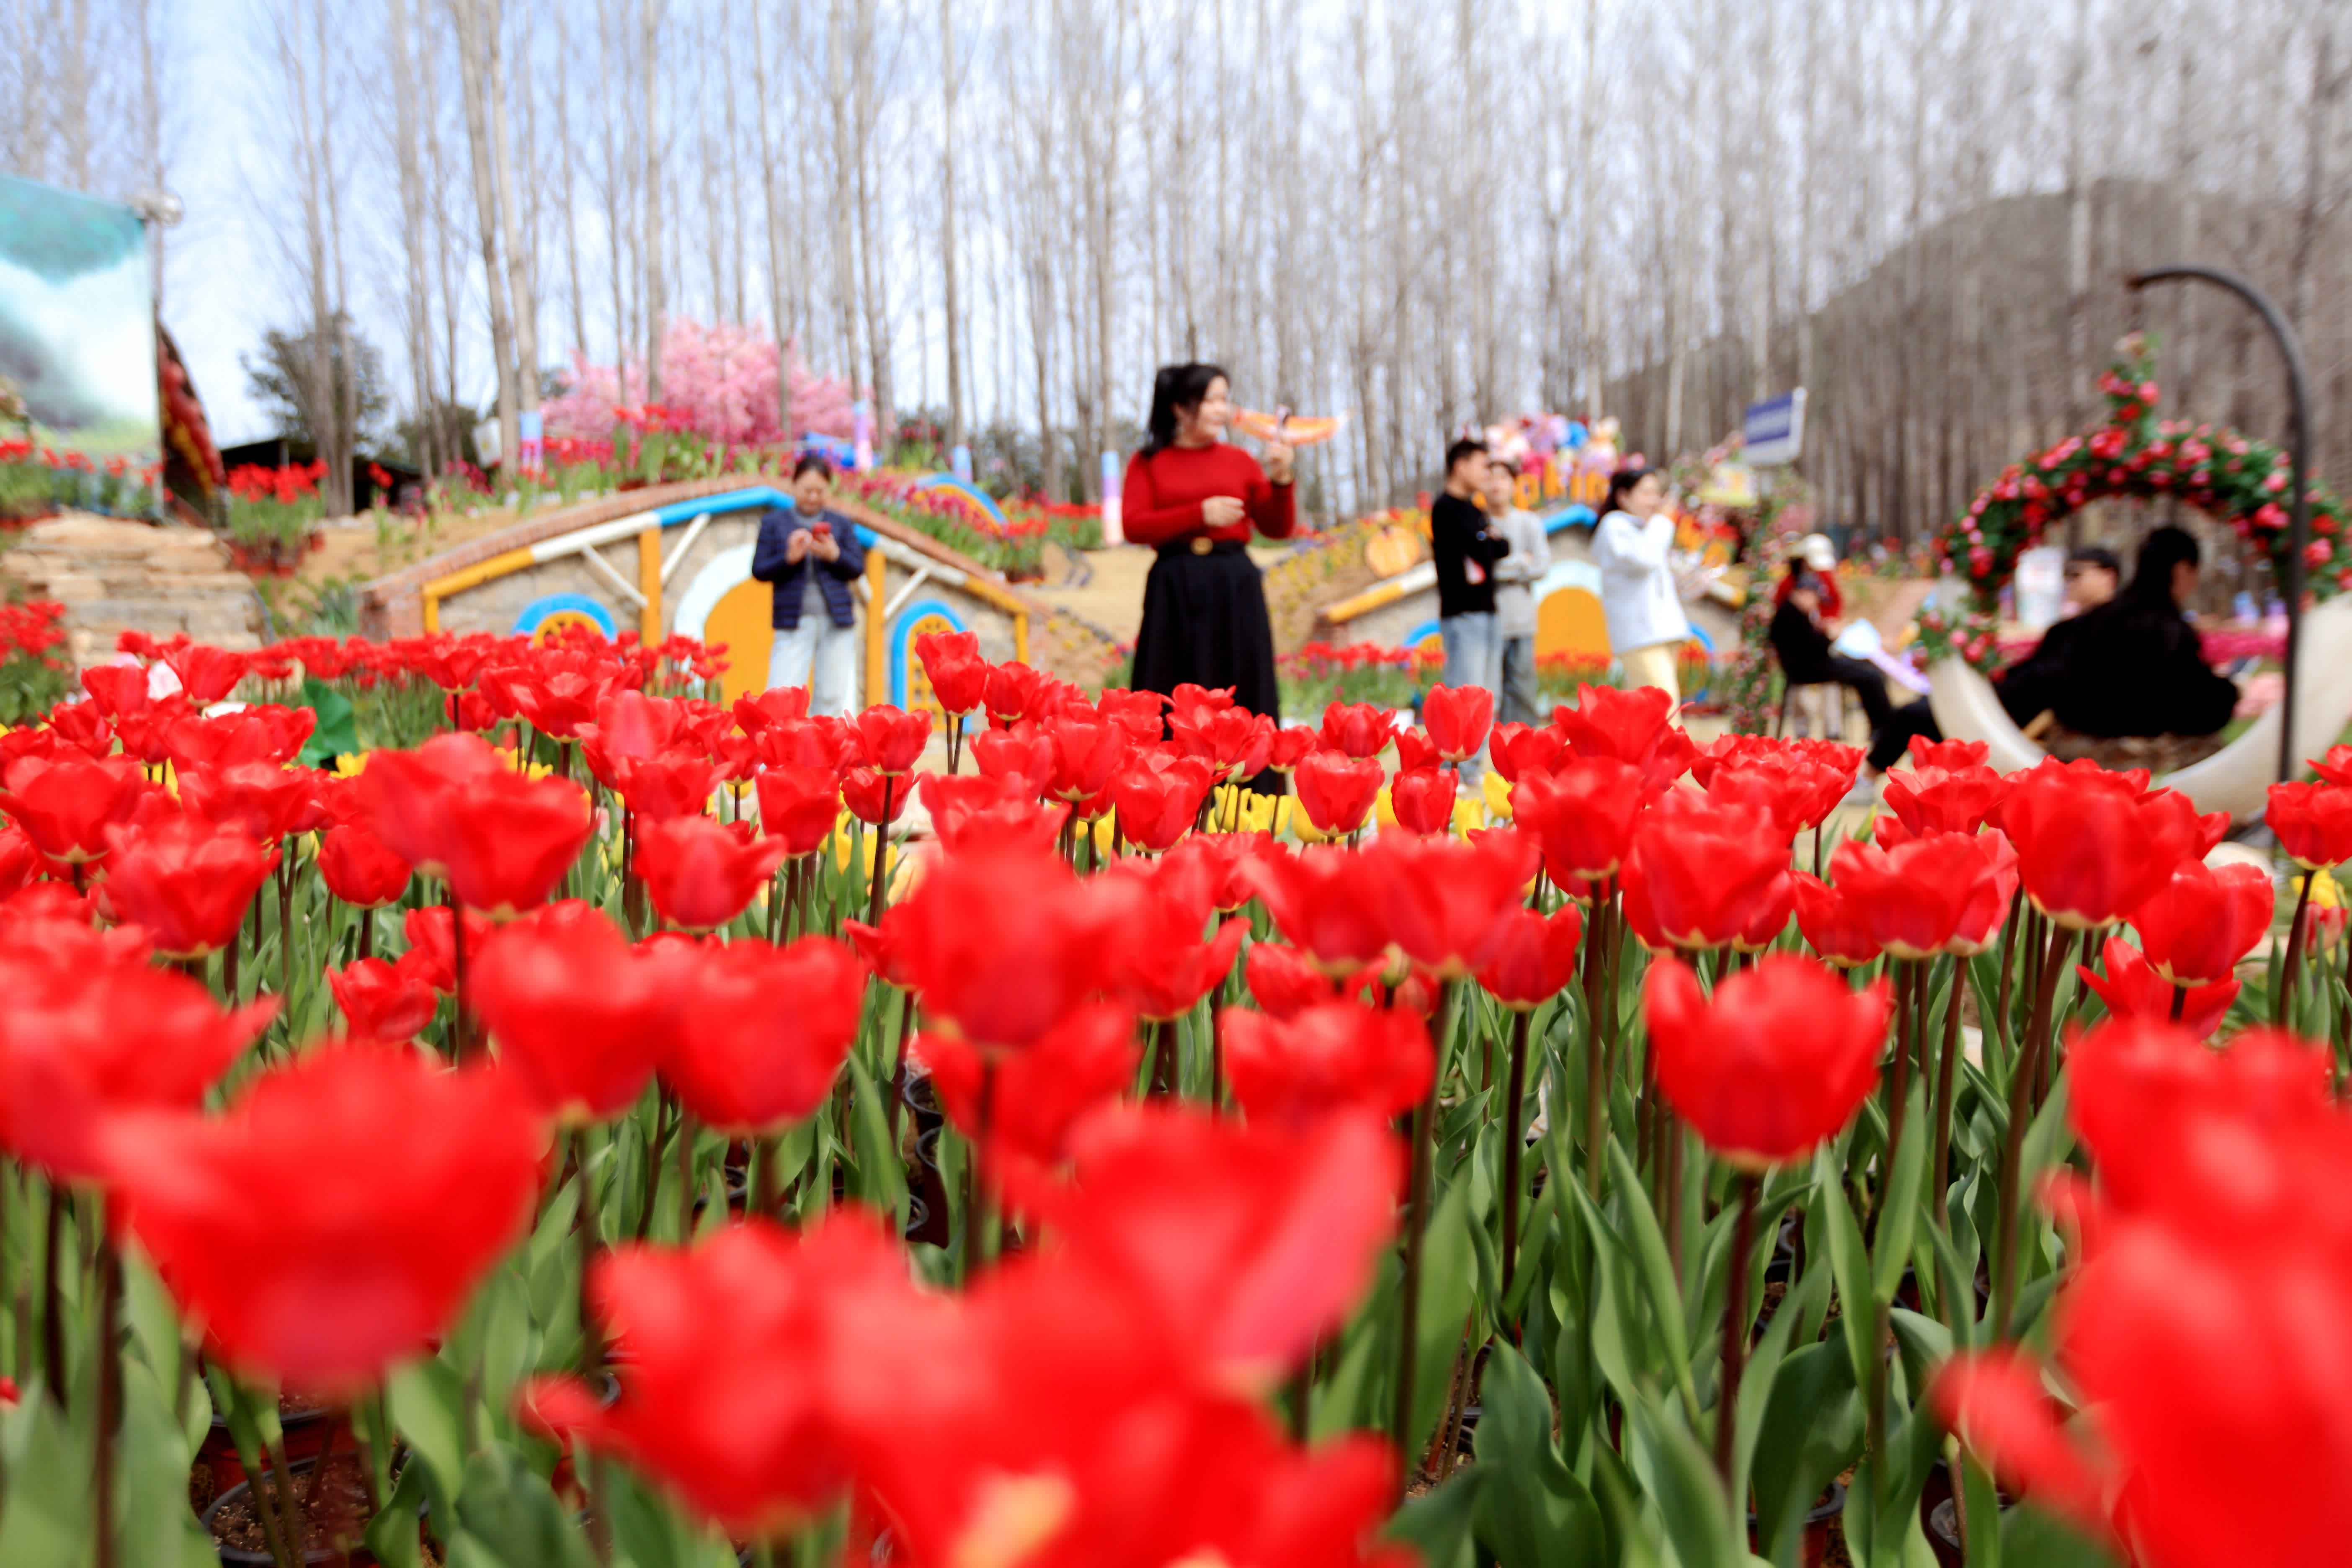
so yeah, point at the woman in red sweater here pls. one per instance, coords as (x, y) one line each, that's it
(1195, 500)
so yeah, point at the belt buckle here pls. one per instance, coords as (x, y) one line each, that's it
(1202, 544)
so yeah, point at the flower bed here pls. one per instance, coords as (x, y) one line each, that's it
(583, 1129)
(36, 482)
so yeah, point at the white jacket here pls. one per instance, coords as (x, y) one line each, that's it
(1637, 586)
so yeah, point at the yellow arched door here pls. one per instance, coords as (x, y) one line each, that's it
(741, 619)
(1570, 621)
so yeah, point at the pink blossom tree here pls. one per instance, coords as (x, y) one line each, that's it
(723, 378)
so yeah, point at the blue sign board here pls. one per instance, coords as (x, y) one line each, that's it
(1775, 429)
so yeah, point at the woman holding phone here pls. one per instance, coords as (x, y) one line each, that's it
(1196, 502)
(812, 555)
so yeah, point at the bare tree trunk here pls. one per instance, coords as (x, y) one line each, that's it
(564, 60)
(649, 29)
(948, 221)
(473, 69)
(770, 197)
(523, 298)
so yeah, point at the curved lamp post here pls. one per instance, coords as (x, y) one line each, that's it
(2299, 529)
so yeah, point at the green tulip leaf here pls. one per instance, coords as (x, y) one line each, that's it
(1534, 1513)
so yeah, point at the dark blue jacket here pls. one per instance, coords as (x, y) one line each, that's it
(769, 565)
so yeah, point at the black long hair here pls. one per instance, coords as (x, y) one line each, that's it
(2159, 552)
(1177, 387)
(1622, 480)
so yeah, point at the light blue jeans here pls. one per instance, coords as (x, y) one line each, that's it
(822, 657)
(1474, 657)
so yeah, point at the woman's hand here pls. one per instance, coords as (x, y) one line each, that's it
(796, 548)
(825, 546)
(1222, 512)
(1278, 458)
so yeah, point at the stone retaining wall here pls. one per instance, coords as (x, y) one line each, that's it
(114, 575)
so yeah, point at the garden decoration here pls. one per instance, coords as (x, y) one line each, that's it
(583, 1127)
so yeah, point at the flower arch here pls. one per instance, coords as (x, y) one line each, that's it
(2213, 467)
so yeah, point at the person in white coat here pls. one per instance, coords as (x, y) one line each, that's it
(1632, 546)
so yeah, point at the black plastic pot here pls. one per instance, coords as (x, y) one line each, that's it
(923, 1098)
(238, 1557)
(1814, 1539)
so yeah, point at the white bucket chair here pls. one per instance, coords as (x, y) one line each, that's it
(2235, 779)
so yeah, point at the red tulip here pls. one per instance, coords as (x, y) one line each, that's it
(1241, 1244)
(1769, 916)
(701, 873)
(20, 862)
(1938, 800)
(1358, 730)
(730, 1353)
(1003, 944)
(205, 674)
(977, 811)
(337, 1218)
(1950, 756)
(1159, 797)
(1534, 958)
(1327, 1057)
(1423, 801)
(1519, 750)
(675, 784)
(952, 664)
(1087, 1060)
(2197, 928)
(2313, 823)
(1019, 753)
(777, 705)
(1338, 794)
(1415, 750)
(428, 933)
(1696, 873)
(90, 1033)
(2202, 1323)
(1293, 744)
(581, 1018)
(1831, 924)
(798, 807)
(2322, 928)
(1581, 812)
(1912, 898)
(267, 800)
(1443, 901)
(1607, 723)
(1015, 691)
(66, 806)
(452, 809)
(820, 743)
(759, 1045)
(82, 726)
(1988, 912)
(260, 733)
(2133, 989)
(869, 794)
(187, 881)
(892, 741)
(2090, 847)
(1457, 719)
(116, 689)
(1220, 859)
(387, 1002)
(1163, 966)
(1326, 902)
(1234, 741)
(630, 727)
(1088, 751)
(557, 693)
(360, 868)
(1777, 1060)
(1799, 790)
(1282, 981)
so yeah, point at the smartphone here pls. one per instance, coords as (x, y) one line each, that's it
(821, 529)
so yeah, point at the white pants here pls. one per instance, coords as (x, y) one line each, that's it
(822, 657)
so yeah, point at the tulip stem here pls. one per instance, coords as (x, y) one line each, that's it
(1596, 1089)
(53, 1327)
(367, 932)
(2179, 1002)
(881, 854)
(585, 1221)
(1514, 1143)
(1217, 1054)
(2012, 1147)
(1735, 1340)
(655, 1148)
(286, 939)
(899, 1070)
(110, 1389)
(1416, 1224)
(975, 1230)
(1946, 1073)
(685, 1174)
(461, 1027)
(2289, 971)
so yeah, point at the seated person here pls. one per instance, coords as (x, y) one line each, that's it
(1802, 643)
(2123, 682)
(2136, 689)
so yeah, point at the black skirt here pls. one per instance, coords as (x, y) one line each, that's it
(1204, 621)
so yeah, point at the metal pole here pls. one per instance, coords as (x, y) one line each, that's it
(2299, 528)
